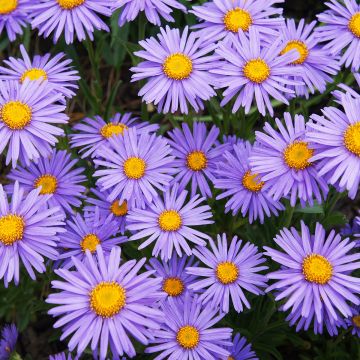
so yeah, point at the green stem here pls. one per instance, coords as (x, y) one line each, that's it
(289, 216)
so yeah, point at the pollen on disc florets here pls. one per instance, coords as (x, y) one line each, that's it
(33, 74)
(300, 47)
(173, 286)
(111, 129)
(8, 6)
(297, 155)
(227, 272)
(236, 19)
(134, 168)
(89, 242)
(170, 220)
(252, 182)
(256, 70)
(47, 182)
(352, 138)
(15, 114)
(117, 209)
(317, 269)
(12, 228)
(356, 320)
(196, 161)
(70, 4)
(188, 337)
(178, 66)
(354, 24)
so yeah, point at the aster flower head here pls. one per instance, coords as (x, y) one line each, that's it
(28, 115)
(177, 69)
(315, 274)
(251, 70)
(134, 166)
(8, 338)
(282, 159)
(28, 233)
(189, 332)
(223, 19)
(93, 133)
(229, 270)
(246, 190)
(55, 175)
(197, 154)
(353, 322)
(240, 350)
(169, 223)
(103, 303)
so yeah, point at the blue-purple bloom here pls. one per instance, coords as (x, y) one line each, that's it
(240, 350)
(354, 321)
(8, 338)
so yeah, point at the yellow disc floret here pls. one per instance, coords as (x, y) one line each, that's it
(111, 129)
(356, 320)
(352, 138)
(8, 6)
(236, 19)
(317, 269)
(134, 168)
(300, 47)
(354, 24)
(33, 74)
(117, 209)
(89, 242)
(70, 4)
(297, 155)
(252, 182)
(170, 220)
(15, 114)
(173, 286)
(188, 337)
(256, 70)
(47, 182)
(227, 272)
(177, 66)
(11, 228)
(196, 161)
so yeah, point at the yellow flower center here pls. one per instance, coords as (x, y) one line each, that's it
(300, 47)
(252, 182)
(196, 161)
(356, 320)
(111, 129)
(11, 228)
(354, 24)
(119, 210)
(70, 4)
(15, 114)
(230, 358)
(134, 168)
(33, 74)
(317, 269)
(107, 299)
(169, 220)
(89, 242)
(47, 182)
(236, 19)
(177, 66)
(173, 286)
(188, 337)
(256, 70)
(297, 155)
(352, 138)
(227, 272)
(8, 6)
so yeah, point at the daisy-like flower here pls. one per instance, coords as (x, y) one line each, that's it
(169, 223)
(341, 31)
(228, 271)
(251, 71)
(27, 114)
(334, 138)
(14, 15)
(154, 10)
(93, 133)
(354, 321)
(28, 233)
(175, 281)
(177, 70)
(135, 166)
(9, 335)
(317, 65)
(103, 303)
(282, 159)
(315, 274)
(197, 154)
(86, 234)
(57, 71)
(225, 18)
(247, 191)
(188, 332)
(54, 175)
(240, 350)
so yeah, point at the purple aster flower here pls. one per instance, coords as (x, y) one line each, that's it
(14, 15)
(342, 31)
(354, 321)
(197, 154)
(154, 9)
(343, 88)
(27, 114)
(247, 191)
(240, 350)
(103, 303)
(93, 133)
(177, 70)
(334, 138)
(315, 274)
(169, 223)
(28, 233)
(251, 71)
(54, 175)
(9, 335)
(72, 17)
(282, 157)
(225, 18)
(315, 62)
(188, 332)
(229, 270)
(134, 166)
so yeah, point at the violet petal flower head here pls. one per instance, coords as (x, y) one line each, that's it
(353, 322)
(240, 350)
(8, 338)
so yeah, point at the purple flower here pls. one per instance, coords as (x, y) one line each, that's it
(354, 321)
(247, 191)
(169, 223)
(93, 133)
(177, 70)
(229, 270)
(54, 175)
(103, 302)
(188, 332)
(27, 114)
(282, 159)
(28, 233)
(240, 350)
(9, 335)
(72, 17)
(134, 166)
(315, 274)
